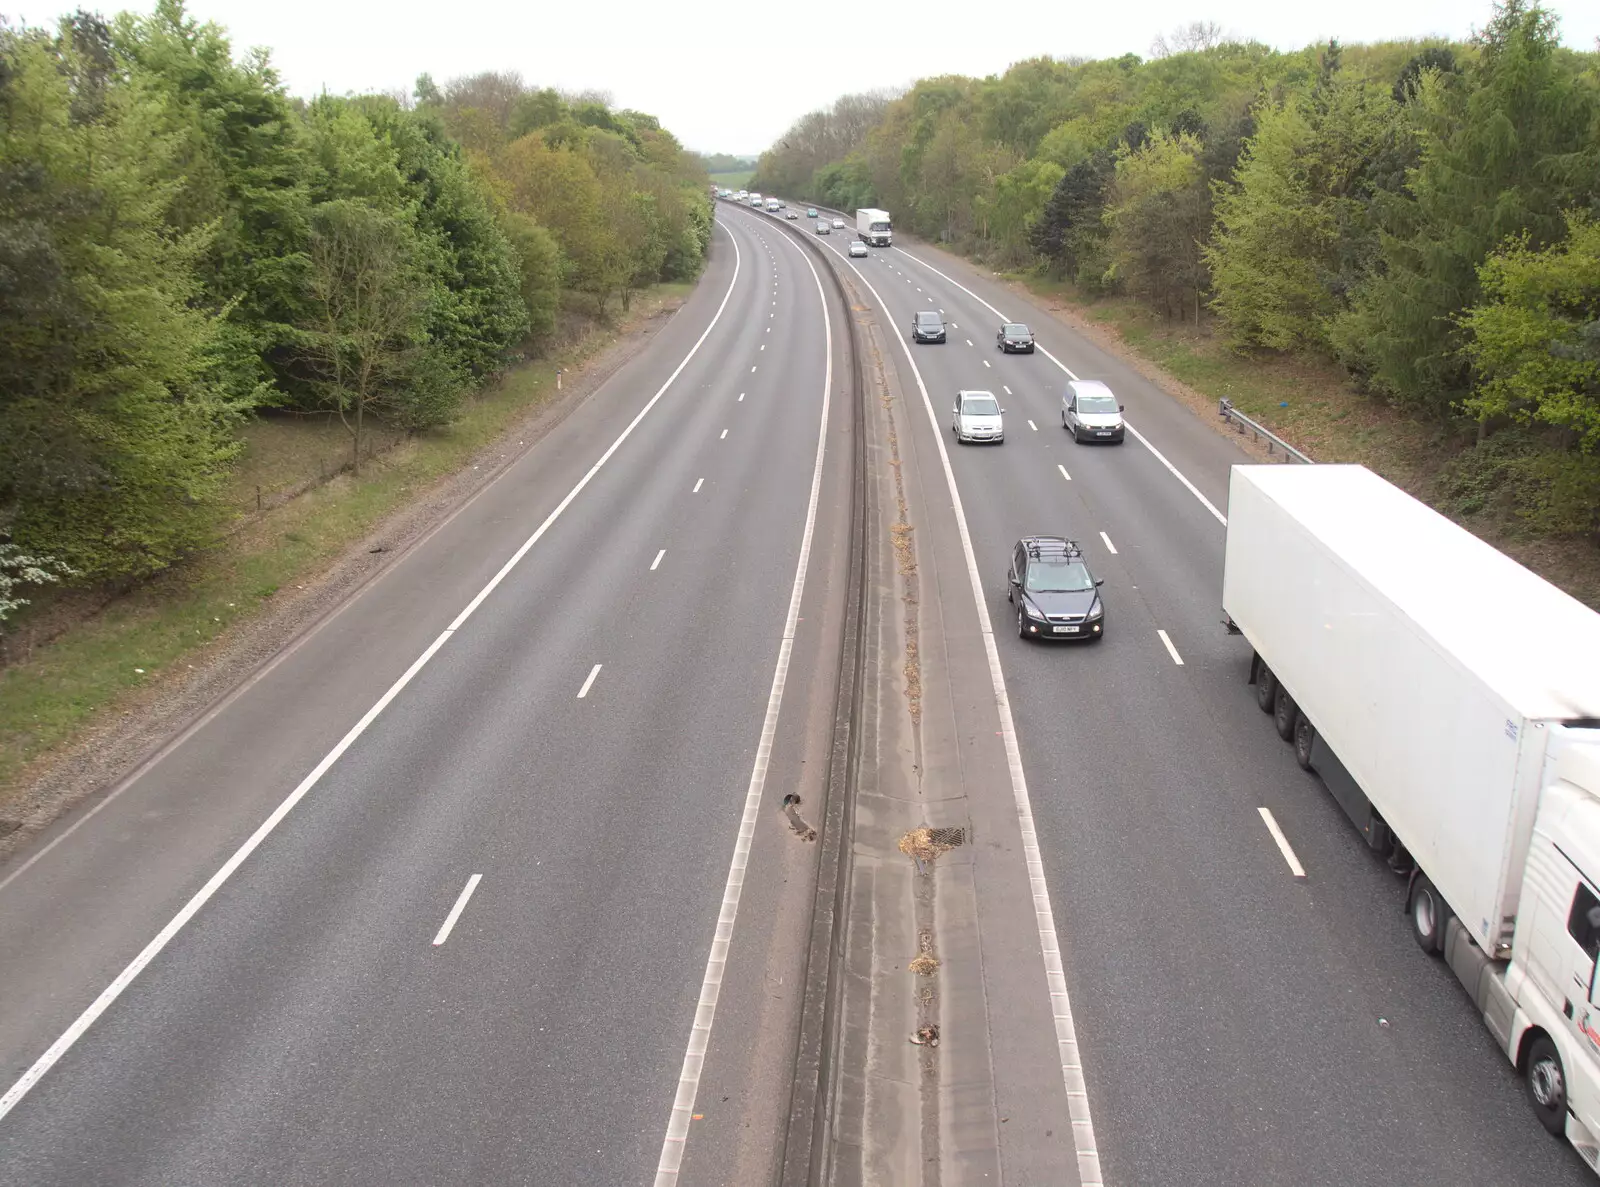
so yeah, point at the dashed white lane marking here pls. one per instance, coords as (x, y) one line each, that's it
(108, 996)
(1006, 389)
(1109, 544)
(1295, 868)
(752, 369)
(1064, 473)
(1033, 426)
(763, 347)
(741, 398)
(656, 564)
(969, 341)
(1171, 650)
(588, 681)
(455, 911)
(985, 362)
(1138, 436)
(1068, 1050)
(724, 436)
(698, 482)
(694, 1057)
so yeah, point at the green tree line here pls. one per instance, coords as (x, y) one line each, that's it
(183, 245)
(1423, 214)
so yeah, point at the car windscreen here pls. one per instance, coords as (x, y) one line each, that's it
(929, 319)
(1097, 404)
(1016, 331)
(980, 406)
(1067, 577)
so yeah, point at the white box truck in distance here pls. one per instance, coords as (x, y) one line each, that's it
(872, 226)
(1450, 701)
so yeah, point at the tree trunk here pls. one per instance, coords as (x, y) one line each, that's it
(361, 406)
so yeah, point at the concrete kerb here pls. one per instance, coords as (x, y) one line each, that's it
(805, 1157)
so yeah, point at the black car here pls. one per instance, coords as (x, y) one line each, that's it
(1014, 336)
(927, 326)
(1055, 594)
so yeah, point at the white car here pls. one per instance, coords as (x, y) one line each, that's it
(977, 417)
(1091, 413)
(792, 214)
(838, 224)
(858, 249)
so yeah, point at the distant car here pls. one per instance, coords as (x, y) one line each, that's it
(811, 212)
(1014, 336)
(927, 326)
(977, 417)
(1091, 413)
(1055, 594)
(822, 227)
(838, 224)
(858, 249)
(792, 214)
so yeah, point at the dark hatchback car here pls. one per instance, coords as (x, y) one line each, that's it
(1055, 594)
(927, 326)
(1014, 336)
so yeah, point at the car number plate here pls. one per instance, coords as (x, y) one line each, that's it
(1102, 432)
(1065, 630)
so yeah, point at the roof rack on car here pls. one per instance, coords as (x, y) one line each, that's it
(1052, 547)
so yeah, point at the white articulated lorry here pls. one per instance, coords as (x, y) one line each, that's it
(872, 226)
(1450, 701)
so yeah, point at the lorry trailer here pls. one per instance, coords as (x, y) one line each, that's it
(1449, 699)
(872, 226)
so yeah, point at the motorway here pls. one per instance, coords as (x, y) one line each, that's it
(1239, 1021)
(483, 880)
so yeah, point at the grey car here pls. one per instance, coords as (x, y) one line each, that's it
(1090, 412)
(1055, 594)
(822, 227)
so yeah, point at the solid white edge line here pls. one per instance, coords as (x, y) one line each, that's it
(677, 1135)
(92, 1012)
(1295, 868)
(1138, 436)
(588, 682)
(1171, 650)
(1083, 1139)
(655, 563)
(455, 911)
(1109, 544)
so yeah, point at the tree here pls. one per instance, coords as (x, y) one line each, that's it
(1070, 232)
(1196, 35)
(364, 338)
(539, 259)
(1160, 215)
(1503, 153)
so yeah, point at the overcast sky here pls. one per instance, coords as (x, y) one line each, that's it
(730, 77)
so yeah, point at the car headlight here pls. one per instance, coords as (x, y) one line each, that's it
(1097, 610)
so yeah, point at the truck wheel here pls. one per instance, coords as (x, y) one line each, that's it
(1266, 688)
(1284, 711)
(1304, 735)
(1428, 916)
(1547, 1085)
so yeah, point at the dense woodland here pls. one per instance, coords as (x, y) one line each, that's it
(1425, 215)
(183, 246)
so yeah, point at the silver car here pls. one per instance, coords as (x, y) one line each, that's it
(977, 417)
(1090, 412)
(857, 249)
(822, 226)
(838, 224)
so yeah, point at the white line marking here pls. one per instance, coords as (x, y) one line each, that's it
(969, 341)
(985, 362)
(1064, 473)
(1033, 426)
(137, 965)
(1083, 1139)
(1109, 544)
(769, 328)
(740, 400)
(589, 682)
(1171, 650)
(1007, 390)
(724, 435)
(1138, 436)
(1295, 868)
(455, 911)
(763, 347)
(752, 369)
(657, 562)
(694, 1057)
(697, 484)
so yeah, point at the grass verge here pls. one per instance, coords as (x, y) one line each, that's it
(102, 663)
(1314, 407)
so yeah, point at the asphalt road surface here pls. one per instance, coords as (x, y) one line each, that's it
(473, 949)
(1238, 1023)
